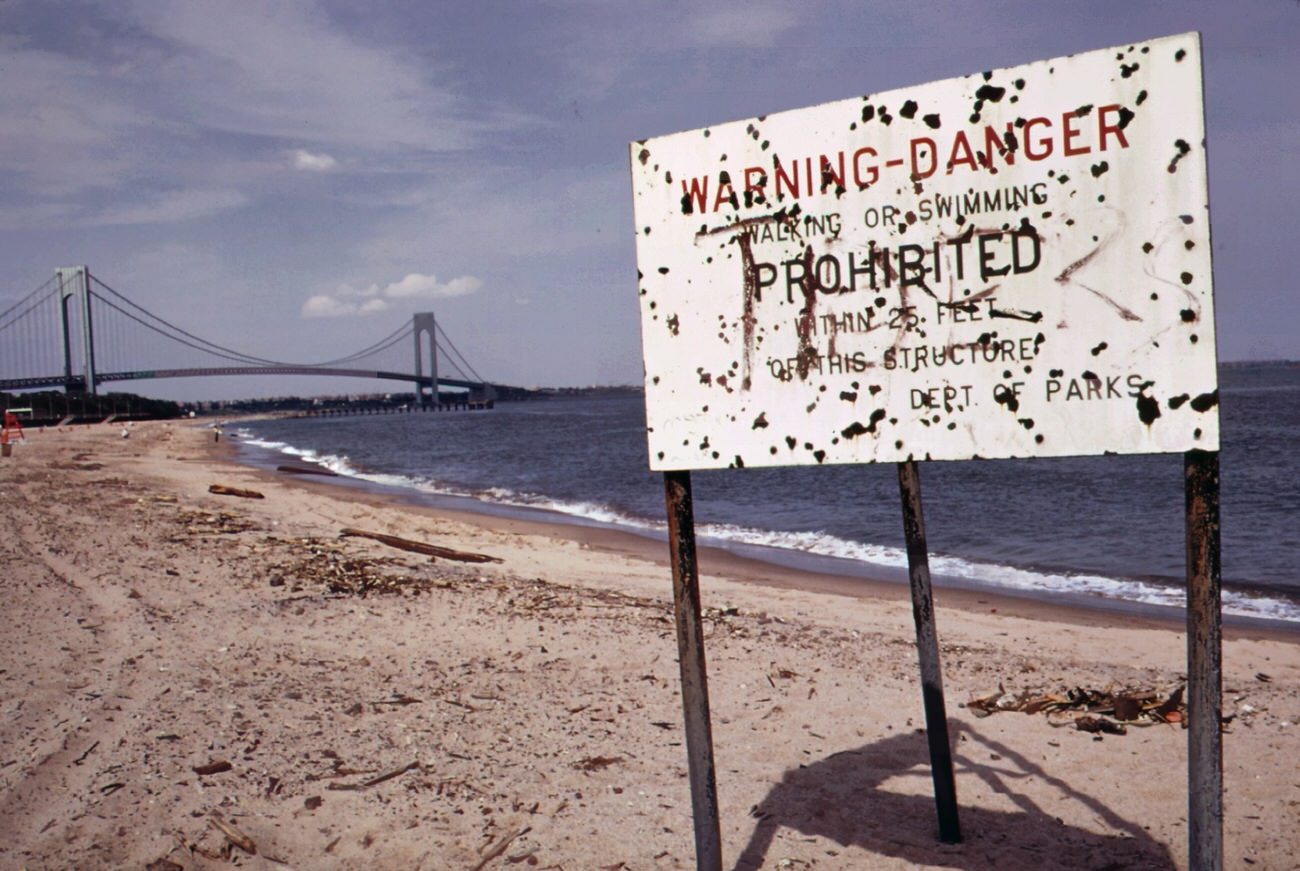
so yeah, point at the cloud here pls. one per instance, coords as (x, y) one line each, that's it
(306, 160)
(428, 287)
(323, 306)
(347, 290)
(349, 301)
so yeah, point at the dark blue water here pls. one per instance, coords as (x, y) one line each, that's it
(1107, 527)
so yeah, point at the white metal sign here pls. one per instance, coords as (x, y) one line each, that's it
(1011, 264)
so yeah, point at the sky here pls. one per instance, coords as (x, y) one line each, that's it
(295, 179)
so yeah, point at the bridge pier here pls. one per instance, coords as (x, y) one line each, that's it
(424, 328)
(73, 283)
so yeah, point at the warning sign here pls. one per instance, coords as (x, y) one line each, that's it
(1011, 264)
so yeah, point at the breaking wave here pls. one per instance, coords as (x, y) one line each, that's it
(851, 557)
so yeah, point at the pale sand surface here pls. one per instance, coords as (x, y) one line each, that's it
(149, 628)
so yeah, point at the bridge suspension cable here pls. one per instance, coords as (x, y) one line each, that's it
(174, 332)
(198, 344)
(438, 327)
(203, 344)
(25, 324)
(461, 372)
(36, 297)
(398, 335)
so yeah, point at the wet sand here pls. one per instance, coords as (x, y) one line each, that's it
(379, 709)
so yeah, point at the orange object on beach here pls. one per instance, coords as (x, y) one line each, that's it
(13, 430)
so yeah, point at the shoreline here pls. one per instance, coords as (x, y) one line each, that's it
(173, 660)
(723, 558)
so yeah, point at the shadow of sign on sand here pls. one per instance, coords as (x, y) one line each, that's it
(845, 797)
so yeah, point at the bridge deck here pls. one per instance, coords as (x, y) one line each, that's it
(213, 371)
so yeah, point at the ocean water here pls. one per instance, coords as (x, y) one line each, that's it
(1101, 531)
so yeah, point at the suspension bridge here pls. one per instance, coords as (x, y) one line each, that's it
(77, 333)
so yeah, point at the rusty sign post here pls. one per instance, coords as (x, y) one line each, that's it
(927, 649)
(1204, 663)
(1011, 264)
(694, 675)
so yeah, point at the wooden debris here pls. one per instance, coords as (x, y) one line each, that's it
(215, 766)
(307, 470)
(432, 550)
(82, 758)
(163, 865)
(500, 847)
(327, 566)
(596, 763)
(1128, 707)
(234, 835)
(1139, 707)
(1100, 725)
(207, 523)
(76, 467)
(223, 490)
(375, 781)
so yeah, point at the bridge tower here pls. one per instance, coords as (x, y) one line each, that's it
(425, 329)
(73, 284)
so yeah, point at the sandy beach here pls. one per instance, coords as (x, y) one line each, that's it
(193, 680)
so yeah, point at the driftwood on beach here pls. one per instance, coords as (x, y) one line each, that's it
(233, 834)
(223, 490)
(431, 550)
(307, 470)
(375, 781)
